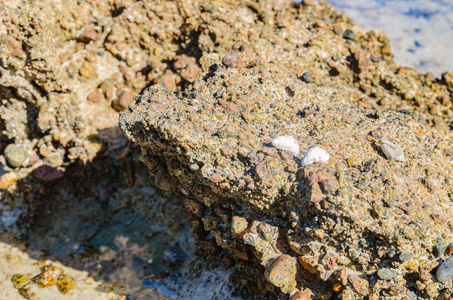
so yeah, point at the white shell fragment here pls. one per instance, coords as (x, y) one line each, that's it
(315, 154)
(392, 151)
(286, 142)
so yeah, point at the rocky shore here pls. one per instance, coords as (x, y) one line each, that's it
(209, 85)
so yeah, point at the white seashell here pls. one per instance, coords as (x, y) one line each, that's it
(286, 142)
(315, 154)
(392, 151)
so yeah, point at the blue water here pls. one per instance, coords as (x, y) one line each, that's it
(420, 31)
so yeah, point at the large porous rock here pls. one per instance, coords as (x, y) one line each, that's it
(353, 211)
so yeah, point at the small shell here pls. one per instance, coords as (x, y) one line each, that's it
(392, 151)
(315, 154)
(286, 142)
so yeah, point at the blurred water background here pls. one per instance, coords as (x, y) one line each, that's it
(420, 31)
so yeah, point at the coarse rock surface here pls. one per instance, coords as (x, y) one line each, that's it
(344, 220)
(68, 66)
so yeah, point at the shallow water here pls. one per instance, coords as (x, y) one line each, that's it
(420, 31)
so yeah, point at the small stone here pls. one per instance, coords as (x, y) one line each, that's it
(360, 285)
(432, 290)
(300, 296)
(309, 263)
(349, 34)
(238, 224)
(65, 283)
(388, 274)
(47, 173)
(232, 60)
(125, 99)
(54, 159)
(95, 96)
(48, 276)
(439, 249)
(16, 155)
(88, 35)
(444, 272)
(337, 29)
(307, 77)
(19, 280)
(412, 264)
(191, 72)
(87, 70)
(405, 256)
(282, 273)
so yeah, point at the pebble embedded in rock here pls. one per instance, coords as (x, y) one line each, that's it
(191, 72)
(87, 70)
(88, 35)
(95, 96)
(300, 296)
(439, 249)
(47, 173)
(307, 77)
(232, 60)
(54, 159)
(445, 271)
(387, 274)
(125, 99)
(349, 34)
(16, 155)
(282, 273)
(405, 256)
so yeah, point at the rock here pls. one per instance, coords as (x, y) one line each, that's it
(300, 296)
(123, 101)
(238, 174)
(388, 274)
(282, 273)
(309, 263)
(54, 159)
(47, 173)
(439, 249)
(16, 155)
(191, 72)
(65, 283)
(238, 225)
(95, 96)
(360, 285)
(405, 256)
(87, 70)
(307, 77)
(444, 272)
(232, 60)
(88, 35)
(349, 34)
